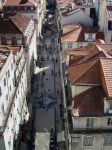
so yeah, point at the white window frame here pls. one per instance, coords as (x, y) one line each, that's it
(9, 39)
(88, 141)
(0, 91)
(107, 141)
(89, 122)
(19, 39)
(79, 45)
(109, 121)
(4, 81)
(70, 45)
(90, 35)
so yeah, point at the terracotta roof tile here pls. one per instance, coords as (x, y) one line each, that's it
(70, 27)
(106, 64)
(77, 72)
(78, 34)
(106, 48)
(74, 35)
(89, 103)
(17, 25)
(83, 51)
(21, 22)
(19, 2)
(14, 49)
(86, 71)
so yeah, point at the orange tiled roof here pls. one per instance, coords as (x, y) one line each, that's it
(86, 71)
(17, 25)
(106, 65)
(74, 35)
(89, 103)
(77, 34)
(14, 49)
(21, 22)
(107, 48)
(77, 73)
(19, 2)
(83, 51)
(70, 27)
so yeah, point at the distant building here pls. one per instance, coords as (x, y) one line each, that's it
(34, 9)
(13, 90)
(105, 19)
(71, 13)
(20, 30)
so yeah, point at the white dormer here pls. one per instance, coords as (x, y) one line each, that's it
(90, 37)
(9, 39)
(107, 106)
(19, 39)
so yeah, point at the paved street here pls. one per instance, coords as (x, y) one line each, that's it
(47, 92)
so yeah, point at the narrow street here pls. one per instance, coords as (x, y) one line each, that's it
(47, 94)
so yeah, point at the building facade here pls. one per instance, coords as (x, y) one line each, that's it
(90, 110)
(77, 36)
(13, 90)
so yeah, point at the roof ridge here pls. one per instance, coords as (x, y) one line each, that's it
(87, 61)
(71, 31)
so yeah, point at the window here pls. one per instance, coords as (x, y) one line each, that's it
(14, 81)
(90, 122)
(19, 40)
(69, 45)
(10, 87)
(4, 82)
(2, 109)
(11, 66)
(107, 141)
(109, 25)
(7, 97)
(8, 39)
(90, 36)
(79, 45)
(0, 92)
(8, 73)
(63, 45)
(88, 141)
(109, 121)
(72, 57)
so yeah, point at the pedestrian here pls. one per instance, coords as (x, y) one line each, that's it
(56, 60)
(47, 57)
(52, 59)
(52, 72)
(43, 73)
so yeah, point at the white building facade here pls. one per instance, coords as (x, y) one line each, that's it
(13, 106)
